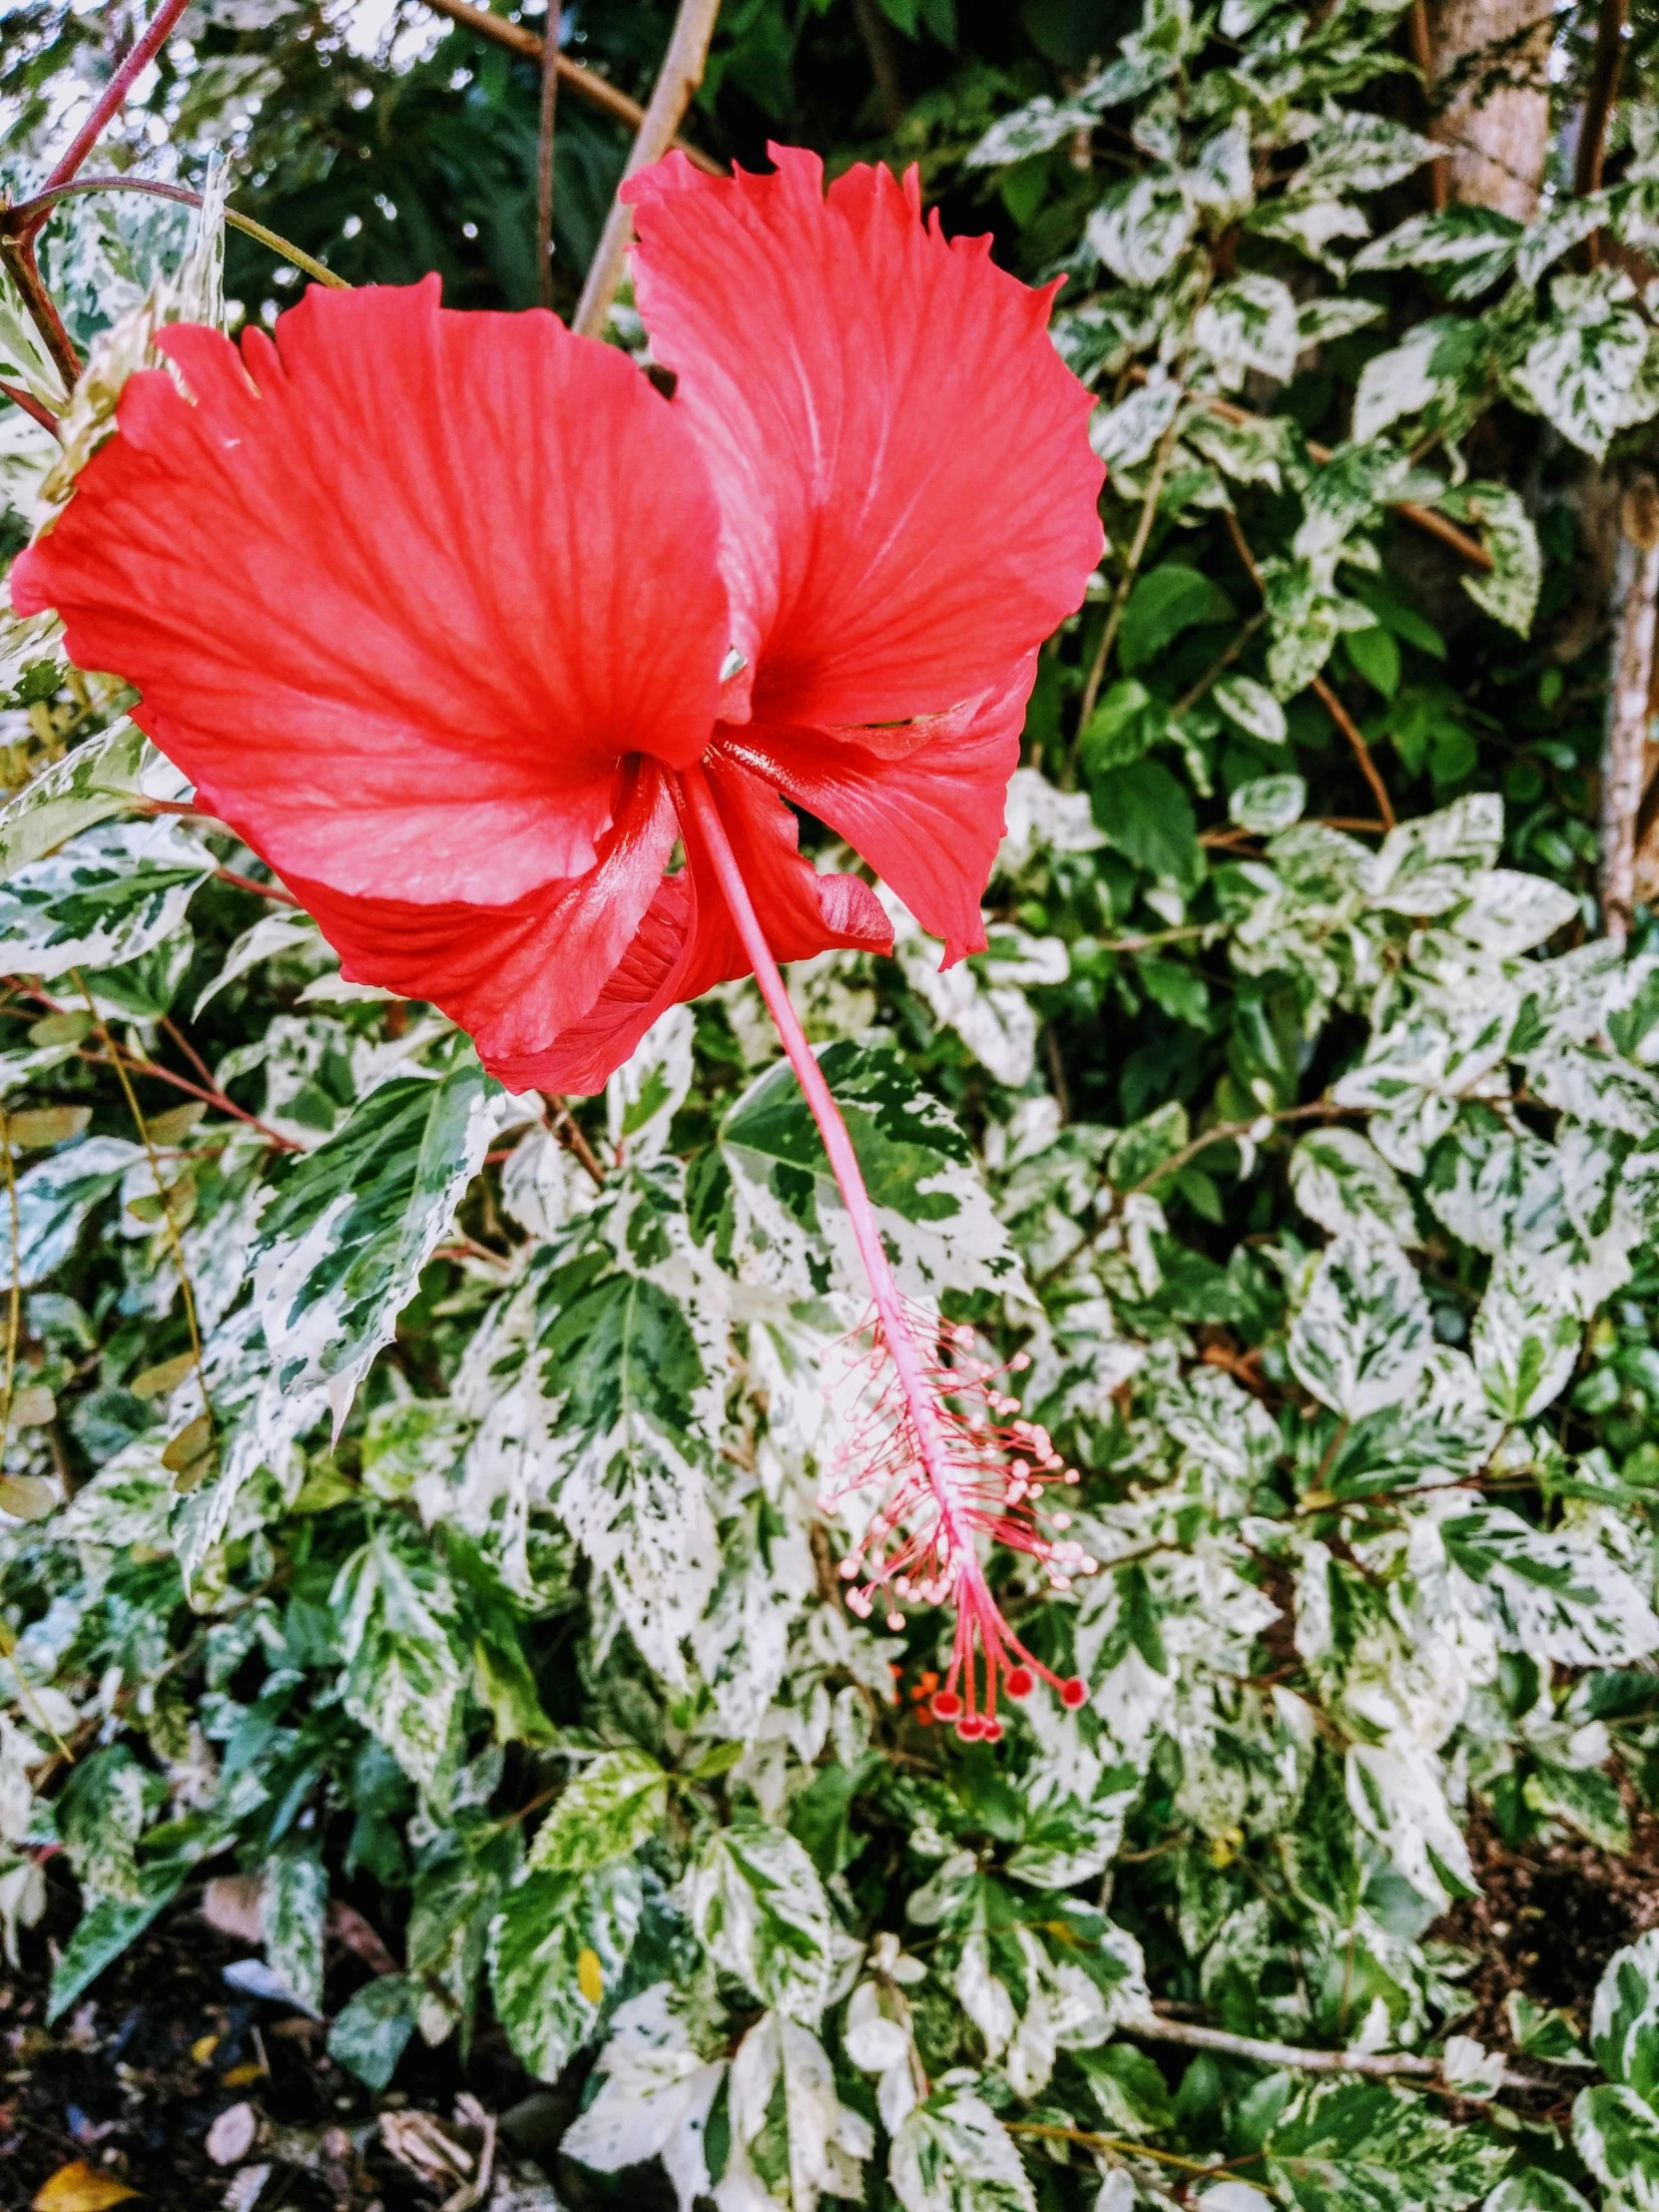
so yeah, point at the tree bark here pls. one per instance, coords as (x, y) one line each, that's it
(1490, 62)
(1624, 766)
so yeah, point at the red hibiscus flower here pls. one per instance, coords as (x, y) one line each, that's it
(437, 610)
(468, 629)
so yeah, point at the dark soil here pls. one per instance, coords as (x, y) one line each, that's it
(131, 2080)
(1548, 1918)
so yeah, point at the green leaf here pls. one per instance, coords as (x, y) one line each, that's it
(104, 1932)
(1510, 593)
(98, 780)
(1138, 230)
(612, 1807)
(1375, 653)
(1467, 248)
(396, 1615)
(1120, 729)
(1525, 1338)
(1365, 1332)
(1616, 2133)
(1585, 368)
(558, 1949)
(1249, 324)
(373, 2027)
(1165, 601)
(936, 1215)
(1554, 1594)
(108, 897)
(1624, 2020)
(340, 1249)
(1351, 2146)
(954, 2155)
(1535, 2190)
(1341, 1179)
(1145, 813)
(1253, 707)
(293, 1907)
(760, 1911)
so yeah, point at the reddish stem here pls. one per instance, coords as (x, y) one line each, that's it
(844, 1161)
(17, 238)
(952, 1486)
(32, 408)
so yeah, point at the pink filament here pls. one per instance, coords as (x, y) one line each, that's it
(925, 1424)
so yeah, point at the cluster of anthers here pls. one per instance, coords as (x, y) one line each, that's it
(930, 1428)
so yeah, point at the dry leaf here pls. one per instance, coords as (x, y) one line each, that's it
(347, 1925)
(192, 1455)
(43, 1125)
(28, 1497)
(231, 1902)
(33, 1405)
(158, 1382)
(80, 2188)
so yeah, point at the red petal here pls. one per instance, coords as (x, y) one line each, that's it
(906, 487)
(399, 588)
(515, 976)
(688, 943)
(928, 821)
(558, 988)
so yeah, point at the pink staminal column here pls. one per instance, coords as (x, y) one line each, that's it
(945, 1447)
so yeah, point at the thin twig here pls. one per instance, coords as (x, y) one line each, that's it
(17, 246)
(1189, 699)
(241, 882)
(1157, 936)
(1611, 20)
(568, 1130)
(544, 155)
(17, 259)
(35, 210)
(671, 95)
(1151, 2027)
(1421, 519)
(113, 98)
(1131, 563)
(1624, 762)
(1362, 751)
(187, 1048)
(875, 37)
(587, 84)
(1423, 52)
(1047, 2131)
(1221, 1132)
(215, 1098)
(1322, 689)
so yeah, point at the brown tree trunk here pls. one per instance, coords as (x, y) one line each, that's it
(1492, 99)
(1624, 763)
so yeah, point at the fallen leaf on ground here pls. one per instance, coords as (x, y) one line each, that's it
(231, 1902)
(80, 2188)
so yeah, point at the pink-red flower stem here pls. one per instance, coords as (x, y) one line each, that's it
(955, 1484)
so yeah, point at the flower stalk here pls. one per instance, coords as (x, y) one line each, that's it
(933, 1428)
